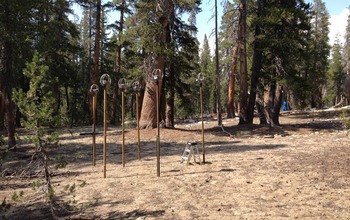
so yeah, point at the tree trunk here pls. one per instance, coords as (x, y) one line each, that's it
(8, 81)
(256, 69)
(260, 107)
(148, 118)
(277, 103)
(118, 64)
(11, 120)
(267, 103)
(162, 107)
(170, 99)
(10, 107)
(231, 88)
(2, 107)
(242, 33)
(218, 98)
(95, 73)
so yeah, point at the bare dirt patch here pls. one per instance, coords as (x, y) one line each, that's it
(300, 170)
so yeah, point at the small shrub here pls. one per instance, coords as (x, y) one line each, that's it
(36, 184)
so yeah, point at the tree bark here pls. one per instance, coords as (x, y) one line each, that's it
(276, 105)
(267, 103)
(256, 69)
(10, 107)
(94, 79)
(148, 118)
(218, 98)
(231, 88)
(170, 99)
(2, 107)
(8, 80)
(260, 107)
(95, 74)
(242, 33)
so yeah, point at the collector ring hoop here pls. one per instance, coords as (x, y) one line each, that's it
(94, 89)
(105, 80)
(157, 74)
(136, 86)
(122, 83)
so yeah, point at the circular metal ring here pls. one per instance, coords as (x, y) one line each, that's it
(200, 78)
(122, 83)
(157, 74)
(94, 89)
(136, 86)
(105, 80)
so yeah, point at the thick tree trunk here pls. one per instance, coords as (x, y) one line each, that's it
(148, 118)
(277, 104)
(260, 107)
(170, 111)
(231, 88)
(243, 62)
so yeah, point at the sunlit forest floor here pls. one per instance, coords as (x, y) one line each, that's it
(300, 170)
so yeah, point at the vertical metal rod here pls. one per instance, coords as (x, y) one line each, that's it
(123, 128)
(201, 97)
(158, 138)
(104, 129)
(94, 129)
(138, 127)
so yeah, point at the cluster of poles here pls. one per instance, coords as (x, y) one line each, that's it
(105, 81)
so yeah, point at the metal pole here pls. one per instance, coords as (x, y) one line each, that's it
(123, 134)
(104, 129)
(138, 127)
(201, 97)
(158, 138)
(94, 129)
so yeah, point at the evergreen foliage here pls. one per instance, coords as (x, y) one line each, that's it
(36, 107)
(336, 77)
(293, 32)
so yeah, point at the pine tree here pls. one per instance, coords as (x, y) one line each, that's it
(156, 35)
(319, 52)
(336, 76)
(346, 58)
(36, 105)
(279, 22)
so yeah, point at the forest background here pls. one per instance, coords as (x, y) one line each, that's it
(259, 55)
